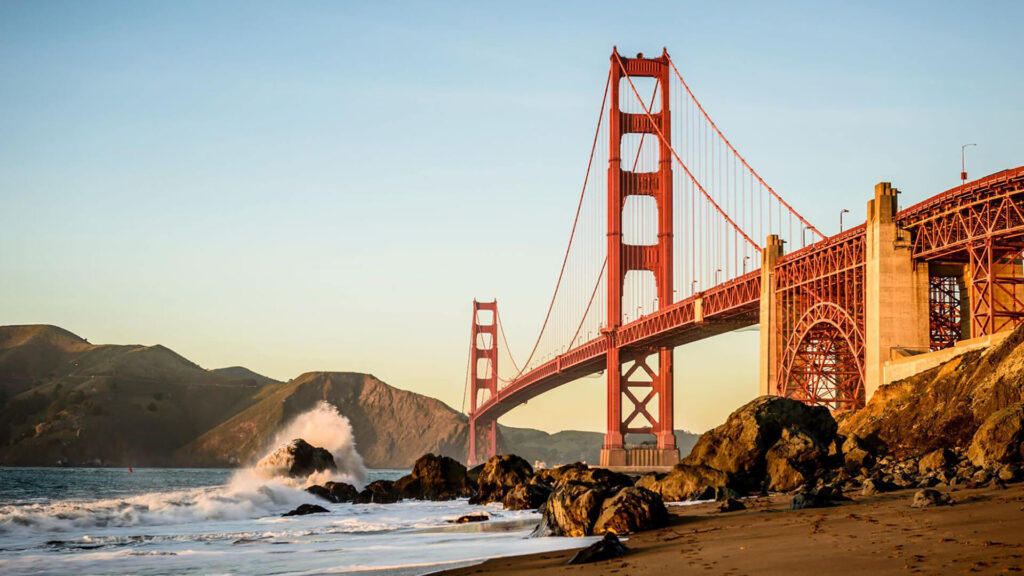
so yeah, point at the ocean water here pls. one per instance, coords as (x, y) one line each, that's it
(198, 521)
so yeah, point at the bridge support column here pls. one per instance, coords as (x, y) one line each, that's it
(640, 383)
(769, 323)
(483, 373)
(896, 292)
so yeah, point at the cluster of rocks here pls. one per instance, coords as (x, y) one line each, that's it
(574, 500)
(774, 444)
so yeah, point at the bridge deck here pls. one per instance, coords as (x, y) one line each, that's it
(724, 308)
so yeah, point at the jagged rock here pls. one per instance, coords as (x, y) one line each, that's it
(856, 454)
(571, 510)
(999, 438)
(930, 497)
(297, 460)
(435, 478)
(304, 509)
(526, 496)
(551, 476)
(685, 482)
(611, 481)
(731, 505)
(816, 498)
(945, 406)
(470, 518)
(604, 549)
(499, 475)
(936, 460)
(981, 477)
(792, 460)
(336, 492)
(379, 492)
(631, 510)
(473, 474)
(873, 486)
(739, 446)
(1009, 473)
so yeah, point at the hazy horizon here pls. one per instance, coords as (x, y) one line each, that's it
(306, 187)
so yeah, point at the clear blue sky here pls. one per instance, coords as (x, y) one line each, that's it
(300, 186)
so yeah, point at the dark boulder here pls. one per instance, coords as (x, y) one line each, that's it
(857, 454)
(297, 460)
(499, 475)
(874, 486)
(379, 492)
(999, 439)
(740, 446)
(631, 510)
(731, 505)
(815, 498)
(571, 510)
(551, 476)
(606, 479)
(304, 509)
(793, 460)
(336, 492)
(470, 518)
(526, 496)
(936, 460)
(604, 549)
(930, 497)
(435, 478)
(685, 482)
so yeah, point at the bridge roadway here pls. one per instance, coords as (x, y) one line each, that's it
(736, 304)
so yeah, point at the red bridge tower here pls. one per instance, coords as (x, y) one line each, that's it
(483, 371)
(643, 376)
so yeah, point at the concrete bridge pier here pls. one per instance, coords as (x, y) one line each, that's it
(896, 305)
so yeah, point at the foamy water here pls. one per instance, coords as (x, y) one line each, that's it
(106, 521)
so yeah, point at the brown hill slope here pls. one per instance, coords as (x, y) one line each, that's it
(392, 427)
(942, 407)
(65, 400)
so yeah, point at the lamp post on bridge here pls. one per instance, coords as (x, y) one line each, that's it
(843, 211)
(963, 168)
(745, 258)
(718, 277)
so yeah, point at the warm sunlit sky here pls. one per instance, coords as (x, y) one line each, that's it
(299, 186)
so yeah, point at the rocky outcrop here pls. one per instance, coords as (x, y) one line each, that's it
(606, 548)
(435, 478)
(571, 510)
(929, 497)
(297, 460)
(999, 438)
(378, 492)
(305, 509)
(685, 482)
(526, 496)
(945, 406)
(793, 437)
(500, 475)
(631, 510)
(336, 492)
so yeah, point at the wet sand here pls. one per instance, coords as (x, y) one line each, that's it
(982, 533)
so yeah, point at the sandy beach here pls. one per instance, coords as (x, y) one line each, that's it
(981, 533)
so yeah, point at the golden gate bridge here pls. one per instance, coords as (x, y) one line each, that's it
(676, 238)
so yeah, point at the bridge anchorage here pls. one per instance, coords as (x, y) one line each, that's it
(661, 254)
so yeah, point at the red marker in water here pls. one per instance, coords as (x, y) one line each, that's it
(130, 470)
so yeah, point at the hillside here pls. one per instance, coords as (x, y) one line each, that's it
(64, 400)
(942, 407)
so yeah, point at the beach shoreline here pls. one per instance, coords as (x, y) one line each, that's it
(982, 532)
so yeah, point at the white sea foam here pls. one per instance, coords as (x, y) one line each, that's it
(237, 527)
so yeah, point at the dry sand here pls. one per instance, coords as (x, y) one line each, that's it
(982, 533)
